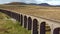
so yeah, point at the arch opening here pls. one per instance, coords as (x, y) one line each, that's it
(35, 26)
(56, 31)
(25, 21)
(45, 28)
(21, 19)
(29, 23)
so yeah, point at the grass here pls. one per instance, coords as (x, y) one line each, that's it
(11, 26)
(3, 16)
(48, 32)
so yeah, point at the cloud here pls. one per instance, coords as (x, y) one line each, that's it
(29, 1)
(7, 1)
(52, 2)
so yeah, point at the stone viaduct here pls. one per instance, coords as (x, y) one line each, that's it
(37, 25)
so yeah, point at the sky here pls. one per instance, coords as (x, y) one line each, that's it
(51, 2)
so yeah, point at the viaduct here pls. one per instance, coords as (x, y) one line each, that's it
(37, 25)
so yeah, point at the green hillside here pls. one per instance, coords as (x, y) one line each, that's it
(9, 26)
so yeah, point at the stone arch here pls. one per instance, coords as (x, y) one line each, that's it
(56, 30)
(18, 17)
(21, 19)
(29, 23)
(9, 13)
(14, 16)
(25, 21)
(35, 26)
(45, 28)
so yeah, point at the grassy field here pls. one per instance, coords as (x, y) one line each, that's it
(8, 26)
(39, 11)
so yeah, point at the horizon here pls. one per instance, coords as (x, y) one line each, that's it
(51, 2)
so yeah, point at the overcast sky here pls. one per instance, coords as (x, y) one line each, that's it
(52, 2)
